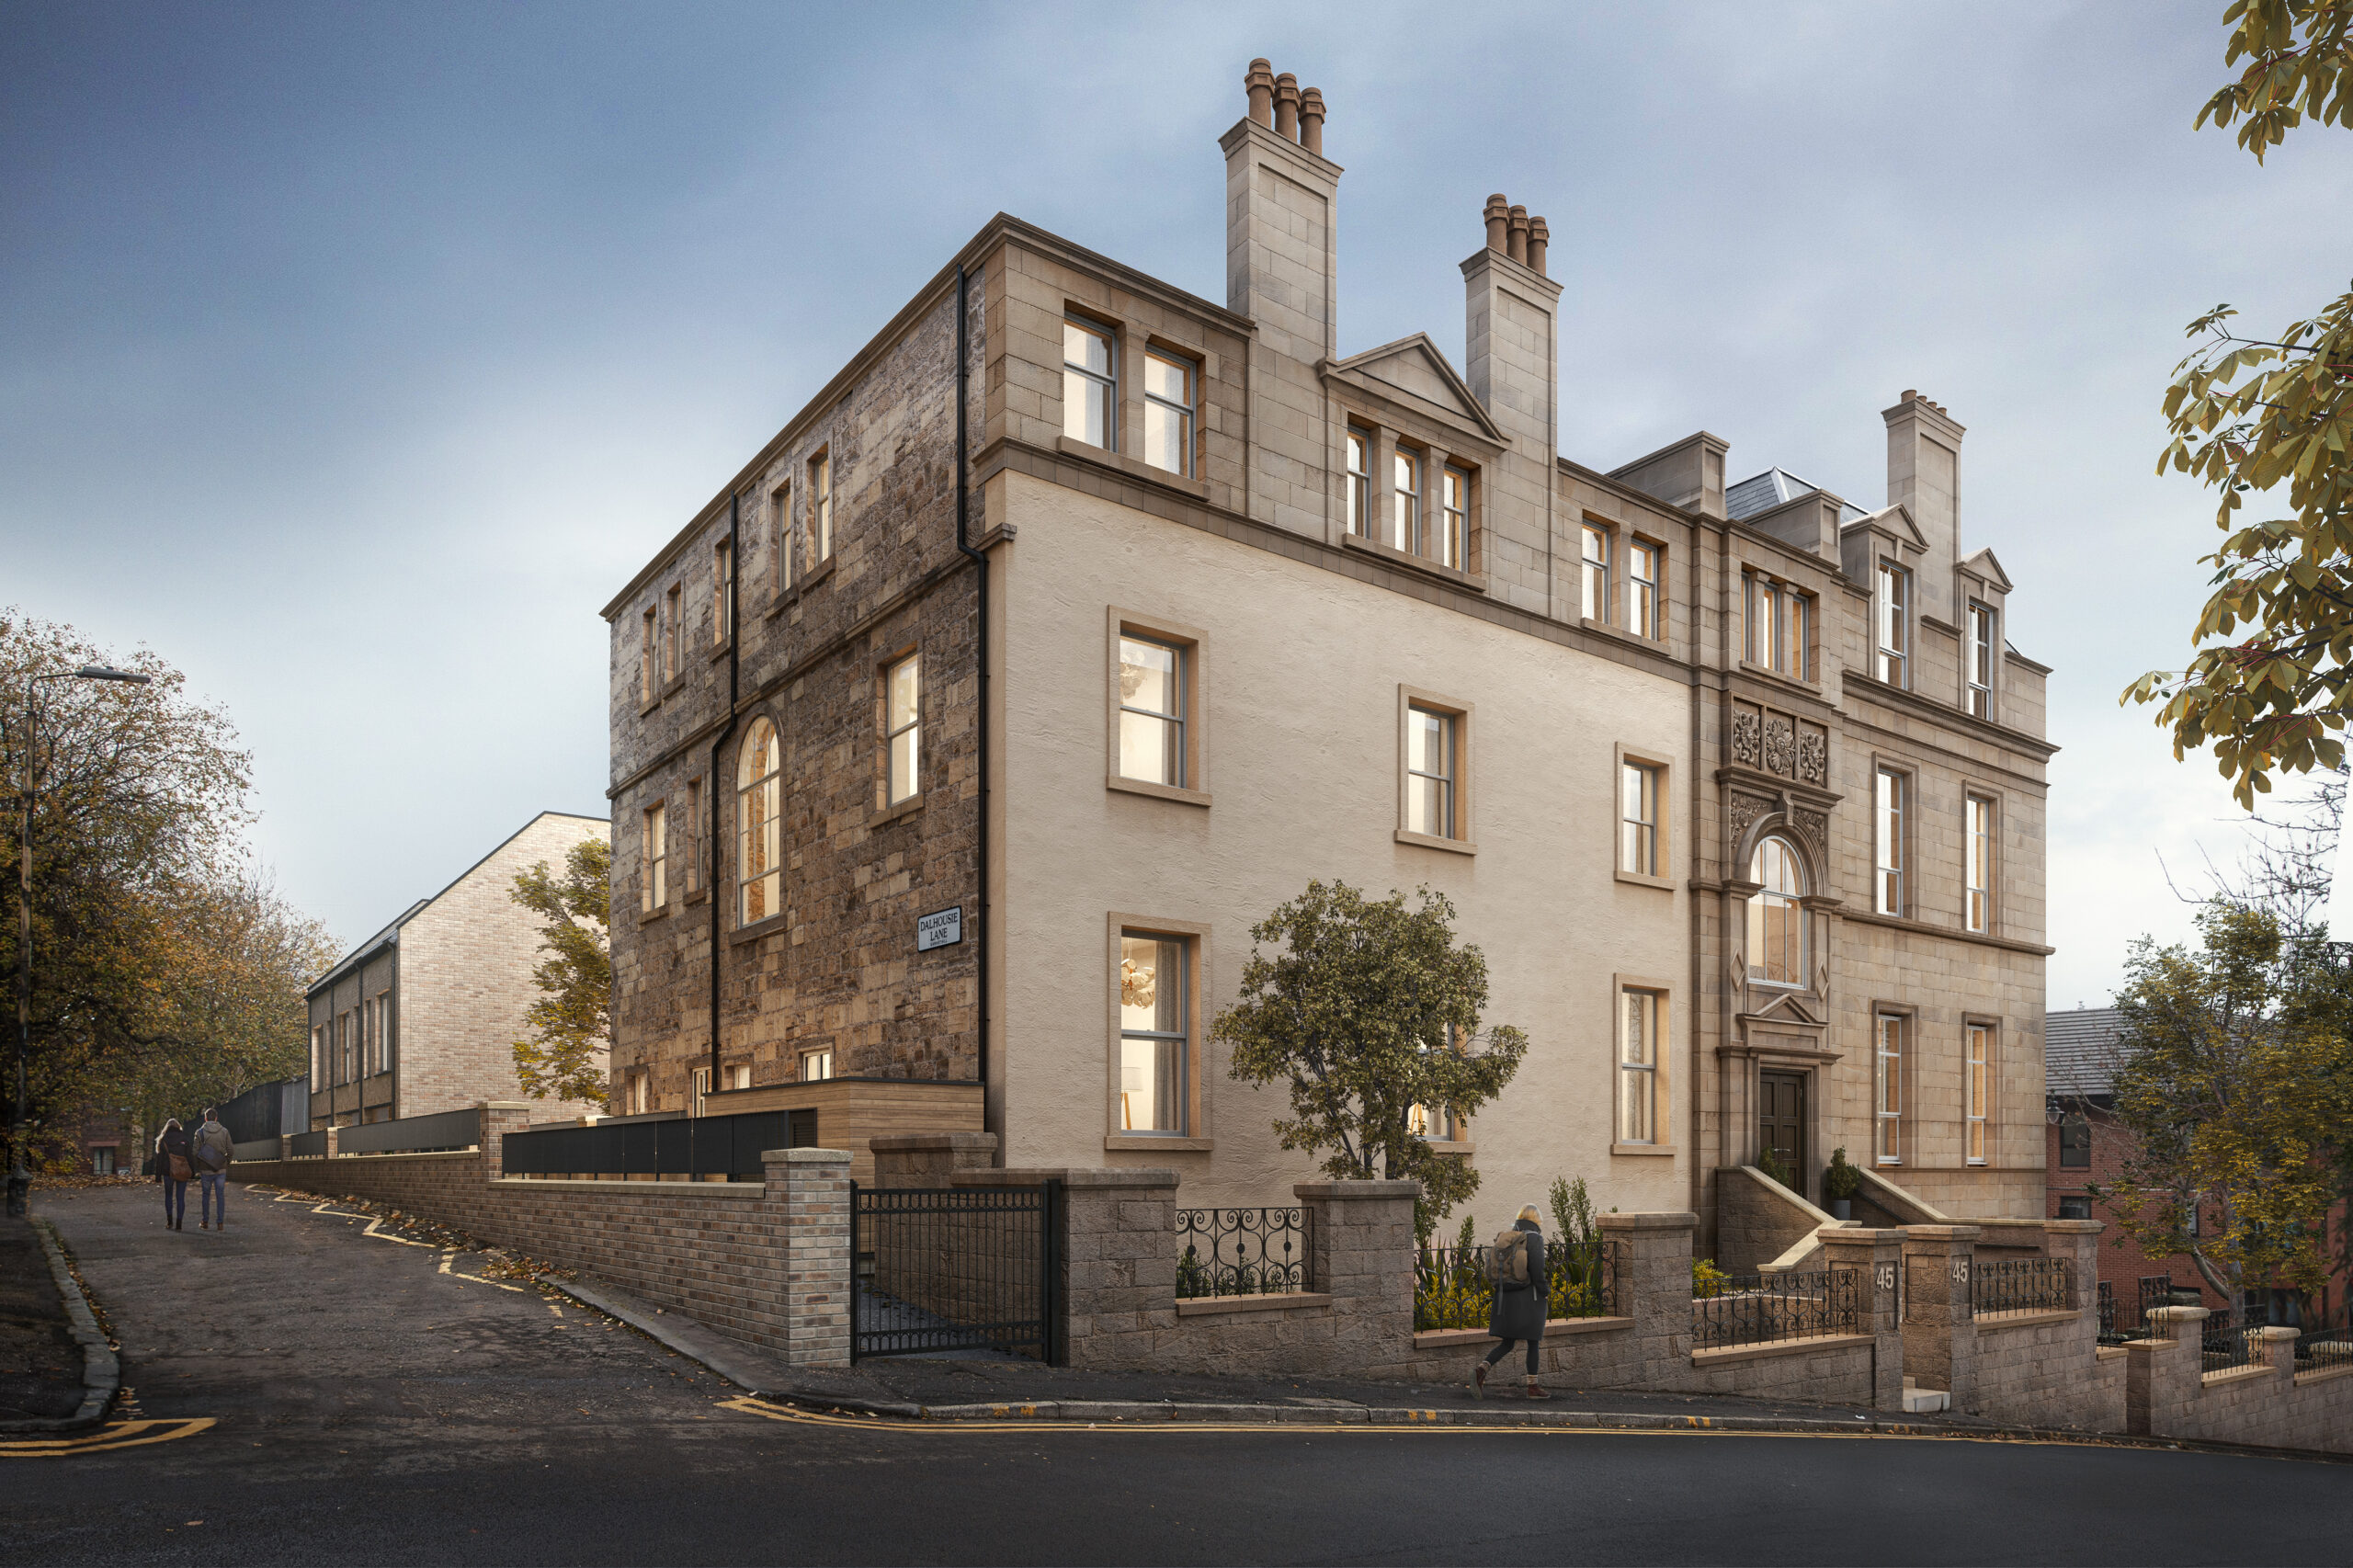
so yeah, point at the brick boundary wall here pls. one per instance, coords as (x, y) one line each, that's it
(767, 1262)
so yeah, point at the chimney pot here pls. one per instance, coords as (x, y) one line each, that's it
(1519, 251)
(1311, 120)
(1910, 393)
(1259, 81)
(1287, 106)
(1538, 237)
(1498, 216)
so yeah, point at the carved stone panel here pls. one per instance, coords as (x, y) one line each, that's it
(1781, 744)
(1747, 735)
(1814, 754)
(1815, 827)
(1741, 810)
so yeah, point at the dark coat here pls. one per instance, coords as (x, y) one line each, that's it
(175, 1142)
(1519, 1310)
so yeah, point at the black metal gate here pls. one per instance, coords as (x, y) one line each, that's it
(937, 1269)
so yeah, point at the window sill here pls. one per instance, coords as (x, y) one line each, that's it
(648, 704)
(1428, 841)
(1466, 581)
(1953, 933)
(1795, 682)
(1132, 467)
(890, 814)
(758, 928)
(1462, 1146)
(1622, 634)
(648, 916)
(791, 596)
(1643, 1150)
(1157, 791)
(1637, 880)
(1137, 1141)
(699, 895)
(723, 650)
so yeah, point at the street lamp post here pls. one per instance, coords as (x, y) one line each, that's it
(20, 1163)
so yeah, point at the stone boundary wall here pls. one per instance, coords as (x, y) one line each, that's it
(1758, 1220)
(2168, 1394)
(767, 1262)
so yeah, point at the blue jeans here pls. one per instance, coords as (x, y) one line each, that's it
(214, 1195)
(174, 1200)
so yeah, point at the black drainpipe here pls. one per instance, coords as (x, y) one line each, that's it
(710, 824)
(981, 565)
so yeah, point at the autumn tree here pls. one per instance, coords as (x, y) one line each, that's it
(2270, 684)
(2234, 1077)
(572, 1020)
(166, 970)
(1373, 1014)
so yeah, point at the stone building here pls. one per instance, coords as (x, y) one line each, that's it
(1740, 788)
(423, 1017)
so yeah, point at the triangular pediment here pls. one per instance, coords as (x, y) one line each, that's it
(1785, 1009)
(1414, 367)
(1984, 564)
(1894, 519)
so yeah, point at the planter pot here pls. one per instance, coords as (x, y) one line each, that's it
(1842, 1209)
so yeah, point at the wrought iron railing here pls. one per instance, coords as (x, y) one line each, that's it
(2226, 1344)
(2120, 1321)
(1243, 1251)
(1761, 1309)
(1451, 1288)
(2326, 1347)
(1997, 1286)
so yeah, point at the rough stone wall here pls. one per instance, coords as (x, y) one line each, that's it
(724, 1253)
(838, 967)
(2168, 1395)
(465, 978)
(1756, 1219)
(2046, 1370)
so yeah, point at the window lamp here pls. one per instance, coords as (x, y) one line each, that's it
(1154, 1037)
(1453, 544)
(1151, 712)
(1977, 831)
(654, 886)
(1892, 616)
(1887, 835)
(1167, 412)
(1776, 919)
(1090, 386)
(1638, 819)
(1430, 779)
(1596, 573)
(1406, 500)
(1887, 1088)
(1980, 661)
(1638, 1025)
(759, 848)
(821, 509)
(1980, 1043)
(903, 730)
(1360, 481)
(1642, 586)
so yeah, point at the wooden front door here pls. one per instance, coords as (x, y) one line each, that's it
(1780, 1121)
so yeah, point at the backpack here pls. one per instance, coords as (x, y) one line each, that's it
(1507, 1260)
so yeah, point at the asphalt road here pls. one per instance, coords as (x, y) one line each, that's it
(368, 1407)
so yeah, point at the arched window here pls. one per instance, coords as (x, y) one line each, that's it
(759, 879)
(1776, 920)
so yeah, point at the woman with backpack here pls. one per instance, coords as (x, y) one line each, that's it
(1515, 1262)
(173, 1169)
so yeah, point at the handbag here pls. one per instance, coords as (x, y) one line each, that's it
(180, 1171)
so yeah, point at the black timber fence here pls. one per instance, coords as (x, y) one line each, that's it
(701, 1146)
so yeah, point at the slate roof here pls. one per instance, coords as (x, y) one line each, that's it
(1763, 492)
(2078, 1051)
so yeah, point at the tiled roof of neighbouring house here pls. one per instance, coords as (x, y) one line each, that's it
(2079, 1050)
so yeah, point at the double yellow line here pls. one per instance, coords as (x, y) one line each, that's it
(113, 1435)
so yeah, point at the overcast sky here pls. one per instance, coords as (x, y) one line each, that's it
(352, 357)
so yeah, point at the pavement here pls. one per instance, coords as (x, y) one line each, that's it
(40, 1365)
(310, 1387)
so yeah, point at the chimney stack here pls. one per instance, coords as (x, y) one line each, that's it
(1311, 120)
(1923, 474)
(1287, 106)
(1260, 83)
(1511, 361)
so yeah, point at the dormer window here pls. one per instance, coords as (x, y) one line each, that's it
(1360, 481)
(1892, 614)
(1980, 661)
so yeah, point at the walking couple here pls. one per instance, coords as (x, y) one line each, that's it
(181, 1158)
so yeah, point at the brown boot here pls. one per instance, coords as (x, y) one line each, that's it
(1478, 1379)
(1537, 1390)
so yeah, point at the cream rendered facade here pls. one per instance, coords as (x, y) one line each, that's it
(1305, 637)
